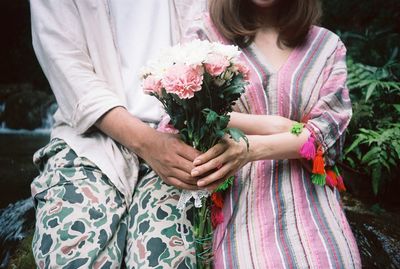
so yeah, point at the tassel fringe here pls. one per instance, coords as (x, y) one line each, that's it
(340, 183)
(307, 151)
(319, 164)
(331, 178)
(318, 179)
(217, 216)
(217, 199)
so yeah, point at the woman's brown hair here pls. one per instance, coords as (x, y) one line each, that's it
(236, 20)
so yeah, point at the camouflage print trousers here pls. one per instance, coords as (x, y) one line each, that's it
(82, 220)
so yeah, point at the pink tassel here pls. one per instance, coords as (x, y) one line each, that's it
(308, 151)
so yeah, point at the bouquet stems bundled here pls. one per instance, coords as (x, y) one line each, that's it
(197, 84)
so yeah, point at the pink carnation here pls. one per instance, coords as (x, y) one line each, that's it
(165, 127)
(216, 64)
(242, 68)
(183, 80)
(152, 85)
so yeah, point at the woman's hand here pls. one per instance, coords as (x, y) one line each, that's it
(220, 162)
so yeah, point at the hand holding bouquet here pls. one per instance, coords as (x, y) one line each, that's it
(197, 84)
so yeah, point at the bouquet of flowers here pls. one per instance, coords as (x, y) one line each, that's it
(197, 84)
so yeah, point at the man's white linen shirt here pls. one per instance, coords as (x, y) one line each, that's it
(142, 28)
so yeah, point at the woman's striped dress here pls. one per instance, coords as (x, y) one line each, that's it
(274, 216)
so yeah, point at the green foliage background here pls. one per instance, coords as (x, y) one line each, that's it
(371, 32)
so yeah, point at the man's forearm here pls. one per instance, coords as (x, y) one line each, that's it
(128, 130)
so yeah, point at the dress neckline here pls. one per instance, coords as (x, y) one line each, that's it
(264, 61)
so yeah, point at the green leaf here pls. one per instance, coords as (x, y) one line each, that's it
(370, 155)
(219, 133)
(354, 145)
(376, 178)
(211, 116)
(351, 162)
(385, 164)
(225, 185)
(397, 107)
(237, 134)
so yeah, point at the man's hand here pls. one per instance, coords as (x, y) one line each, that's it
(171, 159)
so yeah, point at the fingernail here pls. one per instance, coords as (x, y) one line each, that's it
(197, 161)
(200, 183)
(195, 173)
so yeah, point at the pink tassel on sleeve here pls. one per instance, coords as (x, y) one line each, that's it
(308, 151)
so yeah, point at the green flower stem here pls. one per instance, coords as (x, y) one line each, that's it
(203, 235)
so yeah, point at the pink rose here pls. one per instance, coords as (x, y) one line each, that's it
(183, 80)
(216, 64)
(152, 85)
(242, 68)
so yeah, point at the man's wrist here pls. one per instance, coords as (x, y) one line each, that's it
(140, 144)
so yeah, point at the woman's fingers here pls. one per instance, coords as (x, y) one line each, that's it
(210, 154)
(204, 169)
(217, 175)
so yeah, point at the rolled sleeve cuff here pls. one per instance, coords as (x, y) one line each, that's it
(91, 107)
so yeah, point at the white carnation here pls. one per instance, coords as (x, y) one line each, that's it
(229, 51)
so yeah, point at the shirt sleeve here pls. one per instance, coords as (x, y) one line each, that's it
(331, 114)
(59, 42)
(198, 29)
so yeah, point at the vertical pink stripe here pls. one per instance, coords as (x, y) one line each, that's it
(311, 231)
(249, 219)
(264, 213)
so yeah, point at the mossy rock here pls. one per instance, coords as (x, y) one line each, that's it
(23, 257)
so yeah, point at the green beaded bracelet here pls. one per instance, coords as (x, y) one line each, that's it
(297, 128)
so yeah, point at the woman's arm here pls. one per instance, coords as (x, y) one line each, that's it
(260, 124)
(229, 156)
(327, 120)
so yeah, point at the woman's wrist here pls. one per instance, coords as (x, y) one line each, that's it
(277, 146)
(281, 125)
